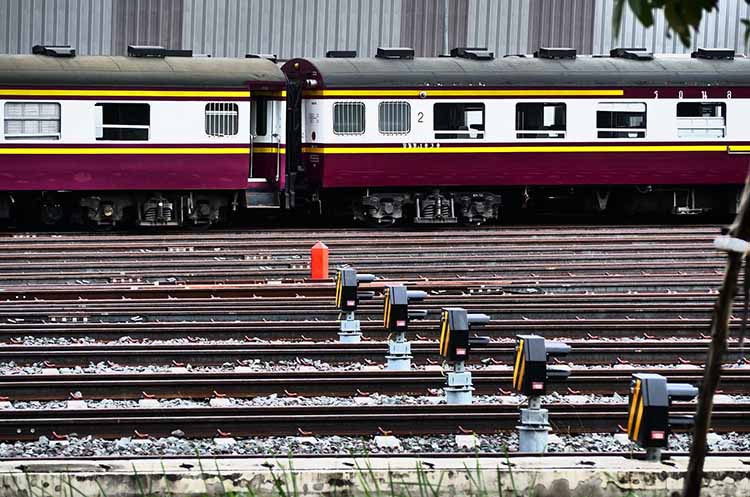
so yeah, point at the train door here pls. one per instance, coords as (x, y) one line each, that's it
(265, 155)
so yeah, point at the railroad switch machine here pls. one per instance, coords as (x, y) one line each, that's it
(396, 317)
(347, 300)
(455, 345)
(531, 373)
(649, 422)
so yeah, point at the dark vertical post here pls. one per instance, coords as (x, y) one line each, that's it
(719, 332)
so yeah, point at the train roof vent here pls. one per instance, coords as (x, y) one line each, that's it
(156, 51)
(555, 53)
(268, 56)
(631, 53)
(713, 54)
(395, 53)
(54, 50)
(341, 54)
(472, 53)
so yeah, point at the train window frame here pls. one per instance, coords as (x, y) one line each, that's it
(29, 117)
(690, 127)
(121, 131)
(396, 112)
(553, 131)
(259, 113)
(614, 130)
(451, 128)
(222, 119)
(353, 113)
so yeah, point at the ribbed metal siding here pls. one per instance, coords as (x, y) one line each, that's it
(290, 28)
(499, 25)
(311, 27)
(720, 29)
(85, 24)
(422, 25)
(561, 23)
(146, 22)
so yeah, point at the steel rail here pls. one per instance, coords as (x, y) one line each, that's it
(349, 383)
(320, 421)
(588, 352)
(579, 328)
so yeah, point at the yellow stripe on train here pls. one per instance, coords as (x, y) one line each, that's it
(429, 92)
(520, 149)
(136, 150)
(35, 92)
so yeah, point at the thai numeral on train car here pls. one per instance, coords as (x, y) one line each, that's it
(704, 94)
(656, 93)
(420, 117)
(729, 93)
(680, 94)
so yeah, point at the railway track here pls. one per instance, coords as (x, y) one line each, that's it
(348, 421)
(516, 253)
(654, 286)
(182, 385)
(372, 330)
(587, 352)
(498, 306)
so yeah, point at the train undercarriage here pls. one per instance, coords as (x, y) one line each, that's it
(436, 206)
(115, 208)
(459, 206)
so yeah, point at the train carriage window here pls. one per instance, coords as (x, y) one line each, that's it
(118, 121)
(32, 121)
(621, 120)
(540, 120)
(349, 118)
(222, 119)
(259, 111)
(394, 118)
(458, 120)
(701, 120)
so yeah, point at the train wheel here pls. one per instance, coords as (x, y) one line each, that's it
(52, 210)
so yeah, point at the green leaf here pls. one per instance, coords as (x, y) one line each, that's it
(643, 11)
(617, 16)
(746, 23)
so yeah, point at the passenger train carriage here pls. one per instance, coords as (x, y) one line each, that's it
(165, 138)
(157, 137)
(456, 138)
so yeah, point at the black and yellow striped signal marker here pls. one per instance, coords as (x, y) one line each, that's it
(339, 283)
(387, 308)
(635, 412)
(519, 366)
(445, 333)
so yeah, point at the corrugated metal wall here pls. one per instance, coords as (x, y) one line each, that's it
(85, 24)
(501, 25)
(422, 25)
(311, 27)
(290, 28)
(561, 23)
(720, 29)
(146, 22)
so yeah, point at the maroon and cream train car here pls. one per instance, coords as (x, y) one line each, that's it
(447, 139)
(155, 138)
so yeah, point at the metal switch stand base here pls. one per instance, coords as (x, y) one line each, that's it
(534, 427)
(458, 386)
(349, 330)
(399, 355)
(653, 454)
